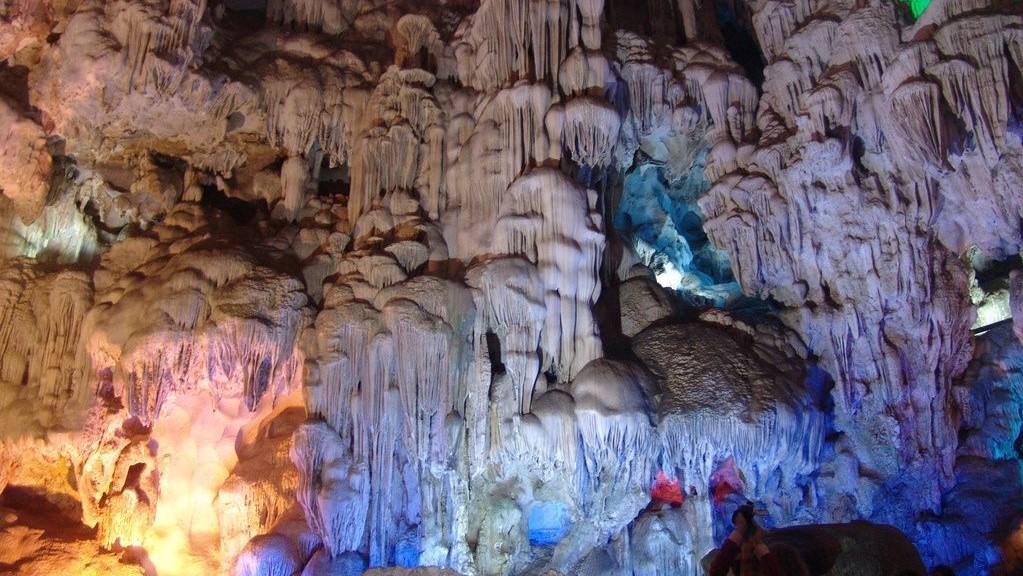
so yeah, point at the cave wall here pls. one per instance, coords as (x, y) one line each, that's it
(311, 286)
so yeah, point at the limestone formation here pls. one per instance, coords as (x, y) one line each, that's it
(502, 287)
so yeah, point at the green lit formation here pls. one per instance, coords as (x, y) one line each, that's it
(918, 6)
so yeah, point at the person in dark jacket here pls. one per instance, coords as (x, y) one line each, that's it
(744, 552)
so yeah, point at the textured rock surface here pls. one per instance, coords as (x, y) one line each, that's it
(643, 302)
(311, 286)
(31, 546)
(866, 150)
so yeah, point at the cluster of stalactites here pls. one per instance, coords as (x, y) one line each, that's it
(486, 149)
(834, 73)
(902, 139)
(332, 490)
(545, 92)
(313, 114)
(974, 61)
(509, 40)
(161, 46)
(333, 17)
(215, 317)
(592, 445)
(510, 304)
(614, 404)
(404, 148)
(41, 321)
(413, 372)
(719, 401)
(137, 73)
(414, 377)
(25, 161)
(366, 352)
(386, 373)
(159, 50)
(119, 488)
(696, 101)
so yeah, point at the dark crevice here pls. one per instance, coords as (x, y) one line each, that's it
(134, 476)
(92, 213)
(239, 210)
(133, 427)
(105, 391)
(829, 299)
(334, 180)
(168, 162)
(494, 352)
(960, 140)
(740, 41)
(260, 383)
(244, 15)
(993, 275)
(664, 25)
(654, 19)
(632, 16)
(235, 120)
(858, 149)
(43, 509)
(1014, 93)
(1018, 444)
(14, 83)
(63, 171)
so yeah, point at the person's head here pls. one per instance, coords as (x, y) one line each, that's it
(742, 518)
(739, 521)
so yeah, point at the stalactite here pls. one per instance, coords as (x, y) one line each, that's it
(416, 33)
(535, 38)
(591, 131)
(612, 406)
(41, 325)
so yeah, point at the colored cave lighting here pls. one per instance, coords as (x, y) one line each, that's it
(666, 489)
(725, 481)
(548, 523)
(917, 7)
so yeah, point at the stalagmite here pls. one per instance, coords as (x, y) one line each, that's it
(569, 340)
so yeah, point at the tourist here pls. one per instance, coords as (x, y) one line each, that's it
(744, 552)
